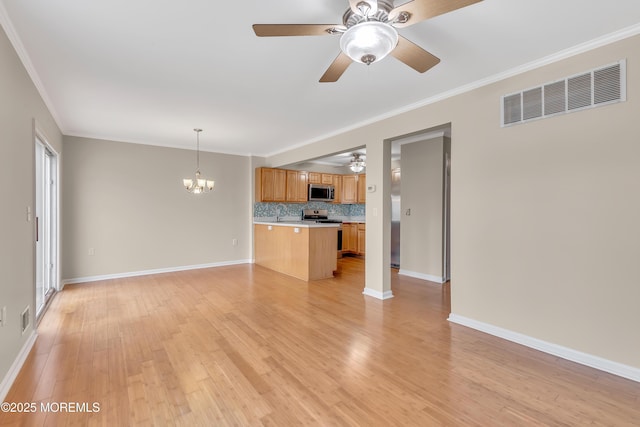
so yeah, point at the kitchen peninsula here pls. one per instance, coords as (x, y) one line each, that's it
(303, 250)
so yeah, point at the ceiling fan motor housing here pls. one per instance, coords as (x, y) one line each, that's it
(351, 18)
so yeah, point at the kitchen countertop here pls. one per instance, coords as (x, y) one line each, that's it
(298, 224)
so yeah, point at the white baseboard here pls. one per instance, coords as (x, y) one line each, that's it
(550, 348)
(377, 294)
(14, 370)
(429, 277)
(155, 271)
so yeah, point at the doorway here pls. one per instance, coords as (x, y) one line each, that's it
(424, 196)
(46, 220)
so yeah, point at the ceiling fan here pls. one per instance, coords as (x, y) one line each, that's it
(369, 32)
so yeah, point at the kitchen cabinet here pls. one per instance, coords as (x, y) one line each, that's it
(306, 252)
(271, 185)
(315, 178)
(362, 189)
(283, 185)
(349, 189)
(337, 185)
(361, 233)
(349, 237)
(353, 238)
(354, 189)
(296, 186)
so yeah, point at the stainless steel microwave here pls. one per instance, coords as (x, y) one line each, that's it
(321, 193)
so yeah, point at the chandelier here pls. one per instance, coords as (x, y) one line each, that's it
(199, 184)
(357, 164)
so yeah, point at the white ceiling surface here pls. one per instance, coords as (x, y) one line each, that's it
(149, 71)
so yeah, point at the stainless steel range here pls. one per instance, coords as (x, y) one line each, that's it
(321, 216)
(318, 216)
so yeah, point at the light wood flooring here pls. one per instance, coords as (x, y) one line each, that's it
(243, 345)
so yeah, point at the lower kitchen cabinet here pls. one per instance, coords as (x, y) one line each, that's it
(353, 238)
(306, 252)
(362, 232)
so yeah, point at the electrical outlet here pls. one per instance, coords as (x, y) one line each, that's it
(234, 242)
(3, 316)
(92, 251)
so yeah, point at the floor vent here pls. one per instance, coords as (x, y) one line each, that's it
(601, 86)
(26, 319)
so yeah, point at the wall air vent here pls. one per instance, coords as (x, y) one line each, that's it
(600, 86)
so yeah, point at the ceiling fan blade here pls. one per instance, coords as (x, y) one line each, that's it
(335, 70)
(275, 30)
(413, 55)
(373, 6)
(419, 10)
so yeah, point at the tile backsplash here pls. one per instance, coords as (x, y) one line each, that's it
(293, 211)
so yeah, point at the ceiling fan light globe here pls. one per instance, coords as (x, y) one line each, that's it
(369, 41)
(356, 168)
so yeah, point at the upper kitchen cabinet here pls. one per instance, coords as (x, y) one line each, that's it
(271, 185)
(349, 189)
(354, 189)
(296, 186)
(326, 178)
(315, 178)
(362, 188)
(337, 185)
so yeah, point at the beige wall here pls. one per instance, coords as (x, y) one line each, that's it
(545, 230)
(126, 201)
(20, 106)
(422, 186)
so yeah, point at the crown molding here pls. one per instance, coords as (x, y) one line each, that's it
(550, 59)
(18, 46)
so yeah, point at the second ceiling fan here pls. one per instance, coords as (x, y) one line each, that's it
(369, 32)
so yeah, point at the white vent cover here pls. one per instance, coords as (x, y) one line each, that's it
(601, 86)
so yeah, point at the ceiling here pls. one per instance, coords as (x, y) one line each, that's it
(148, 71)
